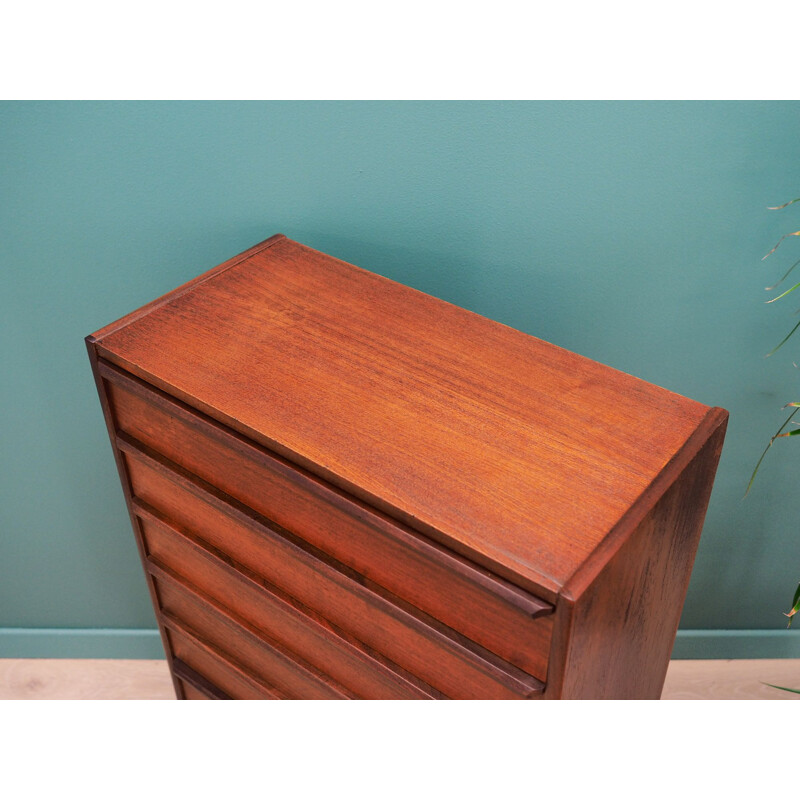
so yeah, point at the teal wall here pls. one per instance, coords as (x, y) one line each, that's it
(629, 232)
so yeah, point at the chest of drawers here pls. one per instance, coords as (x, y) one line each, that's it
(341, 487)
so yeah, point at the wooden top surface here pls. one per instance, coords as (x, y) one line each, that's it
(514, 452)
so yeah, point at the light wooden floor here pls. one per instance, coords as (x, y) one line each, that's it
(72, 679)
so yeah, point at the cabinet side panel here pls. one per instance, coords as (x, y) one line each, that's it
(108, 413)
(619, 632)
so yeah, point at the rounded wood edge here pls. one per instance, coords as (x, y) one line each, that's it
(713, 423)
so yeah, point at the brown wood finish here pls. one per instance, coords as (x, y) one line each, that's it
(190, 693)
(439, 656)
(442, 418)
(206, 661)
(192, 685)
(320, 586)
(341, 487)
(483, 607)
(296, 567)
(263, 658)
(276, 617)
(626, 617)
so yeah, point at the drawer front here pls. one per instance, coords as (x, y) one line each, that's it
(266, 661)
(274, 617)
(194, 685)
(190, 693)
(213, 667)
(453, 666)
(502, 618)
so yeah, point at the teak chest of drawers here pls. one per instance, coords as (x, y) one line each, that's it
(344, 488)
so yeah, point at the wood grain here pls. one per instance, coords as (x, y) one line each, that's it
(482, 606)
(194, 686)
(275, 617)
(262, 657)
(626, 617)
(457, 667)
(216, 669)
(190, 692)
(342, 487)
(514, 452)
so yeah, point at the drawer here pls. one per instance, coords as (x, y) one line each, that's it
(213, 667)
(240, 645)
(270, 615)
(193, 685)
(440, 657)
(190, 693)
(501, 617)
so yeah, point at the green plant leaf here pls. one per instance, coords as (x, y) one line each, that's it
(786, 339)
(788, 272)
(778, 208)
(782, 688)
(785, 236)
(795, 606)
(771, 442)
(784, 293)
